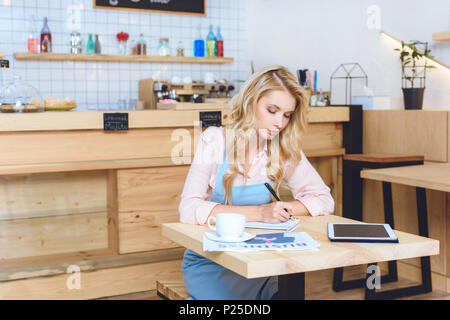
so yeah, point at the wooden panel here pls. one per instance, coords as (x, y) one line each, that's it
(447, 236)
(38, 195)
(70, 146)
(53, 235)
(101, 283)
(330, 255)
(410, 132)
(328, 114)
(324, 152)
(100, 165)
(152, 189)
(172, 289)
(88, 263)
(141, 230)
(147, 198)
(323, 136)
(113, 211)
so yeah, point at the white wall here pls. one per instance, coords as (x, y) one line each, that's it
(323, 34)
(101, 85)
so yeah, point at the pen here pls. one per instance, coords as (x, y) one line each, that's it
(274, 194)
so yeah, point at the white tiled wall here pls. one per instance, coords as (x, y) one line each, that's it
(101, 85)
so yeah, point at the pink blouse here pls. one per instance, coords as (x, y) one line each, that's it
(195, 206)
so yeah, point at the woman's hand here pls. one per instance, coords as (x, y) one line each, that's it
(274, 212)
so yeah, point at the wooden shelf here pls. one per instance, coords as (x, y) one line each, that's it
(31, 56)
(441, 36)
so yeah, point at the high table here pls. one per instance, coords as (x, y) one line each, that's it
(434, 176)
(290, 266)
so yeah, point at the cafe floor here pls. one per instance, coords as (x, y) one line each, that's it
(319, 287)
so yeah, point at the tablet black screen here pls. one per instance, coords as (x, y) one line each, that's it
(360, 230)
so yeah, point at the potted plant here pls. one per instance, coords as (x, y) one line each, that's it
(414, 66)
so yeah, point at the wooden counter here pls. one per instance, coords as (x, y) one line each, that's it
(92, 120)
(73, 194)
(411, 132)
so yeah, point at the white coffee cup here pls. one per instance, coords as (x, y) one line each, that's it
(228, 225)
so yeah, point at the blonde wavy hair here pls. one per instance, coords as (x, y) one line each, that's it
(243, 123)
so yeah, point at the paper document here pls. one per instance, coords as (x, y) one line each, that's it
(268, 241)
(288, 225)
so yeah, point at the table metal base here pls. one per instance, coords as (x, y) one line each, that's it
(425, 287)
(291, 286)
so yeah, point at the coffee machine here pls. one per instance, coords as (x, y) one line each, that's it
(221, 89)
(152, 91)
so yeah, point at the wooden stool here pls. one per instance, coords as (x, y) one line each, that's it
(171, 289)
(353, 207)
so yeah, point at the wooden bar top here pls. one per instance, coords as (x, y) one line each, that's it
(435, 176)
(330, 254)
(93, 120)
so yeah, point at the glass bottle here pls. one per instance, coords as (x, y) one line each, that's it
(90, 45)
(199, 44)
(180, 49)
(97, 45)
(219, 43)
(75, 43)
(46, 37)
(33, 42)
(164, 49)
(210, 43)
(141, 46)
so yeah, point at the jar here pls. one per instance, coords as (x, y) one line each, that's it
(18, 96)
(75, 43)
(164, 48)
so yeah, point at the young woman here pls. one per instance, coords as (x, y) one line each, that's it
(262, 143)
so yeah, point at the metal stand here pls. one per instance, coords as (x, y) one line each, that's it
(352, 185)
(426, 286)
(291, 286)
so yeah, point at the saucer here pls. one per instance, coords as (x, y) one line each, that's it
(215, 237)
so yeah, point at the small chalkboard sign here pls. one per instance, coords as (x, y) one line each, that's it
(193, 7)
(4, 63)
(115, 121)
(211, 118)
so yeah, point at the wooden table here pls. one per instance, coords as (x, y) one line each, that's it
(290, 266)
(435, 176)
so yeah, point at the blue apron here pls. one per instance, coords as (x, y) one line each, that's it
(205, 279)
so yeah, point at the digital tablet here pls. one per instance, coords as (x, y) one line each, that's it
(361, 232)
